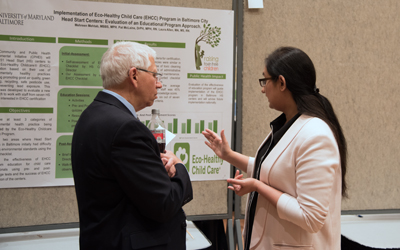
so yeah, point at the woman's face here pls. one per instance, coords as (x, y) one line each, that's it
(272, 91)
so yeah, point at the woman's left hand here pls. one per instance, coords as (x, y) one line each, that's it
(242, 186)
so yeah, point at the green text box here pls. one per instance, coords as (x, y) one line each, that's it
(79, 66)
(206, 76)
(70, 105)
(15, 110)
(158, 44)
(82, 41)
(63, 157)
(30, 39)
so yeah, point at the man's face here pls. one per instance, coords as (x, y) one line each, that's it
(148, 85)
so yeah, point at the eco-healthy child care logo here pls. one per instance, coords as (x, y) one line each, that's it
(182, 151)
(211, 36)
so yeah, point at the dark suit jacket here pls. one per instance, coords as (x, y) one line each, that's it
(125, 198)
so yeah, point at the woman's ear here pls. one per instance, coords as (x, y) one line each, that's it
(282, 82)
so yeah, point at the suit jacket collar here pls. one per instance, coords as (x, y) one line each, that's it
(111, 100)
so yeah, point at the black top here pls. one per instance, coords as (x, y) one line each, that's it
(278, 128)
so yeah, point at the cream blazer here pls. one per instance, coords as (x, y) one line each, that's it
(305, 166)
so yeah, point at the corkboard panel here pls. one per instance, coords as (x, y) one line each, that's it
(56, 205)
(354, 46)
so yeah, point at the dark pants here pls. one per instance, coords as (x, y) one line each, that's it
(215, 232)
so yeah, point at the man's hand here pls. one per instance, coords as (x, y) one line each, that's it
(169, 160)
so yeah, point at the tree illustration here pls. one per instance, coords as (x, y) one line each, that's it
(209, 35)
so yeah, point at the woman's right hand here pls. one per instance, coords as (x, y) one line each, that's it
(219, 145)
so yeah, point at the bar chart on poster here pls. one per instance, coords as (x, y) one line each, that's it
(187, 127)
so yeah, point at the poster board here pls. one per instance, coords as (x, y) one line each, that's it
(50, 74)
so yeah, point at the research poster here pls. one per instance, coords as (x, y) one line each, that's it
(50, 53)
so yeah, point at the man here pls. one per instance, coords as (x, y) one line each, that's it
(126, 197)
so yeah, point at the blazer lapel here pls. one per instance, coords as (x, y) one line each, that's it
(280, 147)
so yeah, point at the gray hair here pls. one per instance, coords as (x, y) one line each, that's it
(122, 56)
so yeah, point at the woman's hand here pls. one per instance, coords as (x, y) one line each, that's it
(236, 188)
(242, 186)
(219, 145)
(169, 160)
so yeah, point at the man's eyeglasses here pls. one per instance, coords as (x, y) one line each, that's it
(155, 74)
(263, 81)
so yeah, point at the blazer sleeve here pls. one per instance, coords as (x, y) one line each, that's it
(317, 163)
(250, 166)
(138, 168)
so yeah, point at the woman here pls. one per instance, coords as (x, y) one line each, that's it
(296, 180)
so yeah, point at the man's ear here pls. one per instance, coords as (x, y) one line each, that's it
(132, 75)
(282, 82)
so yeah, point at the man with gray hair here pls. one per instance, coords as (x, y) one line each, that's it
(127, 198)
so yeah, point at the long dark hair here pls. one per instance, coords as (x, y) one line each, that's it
(300, 76)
